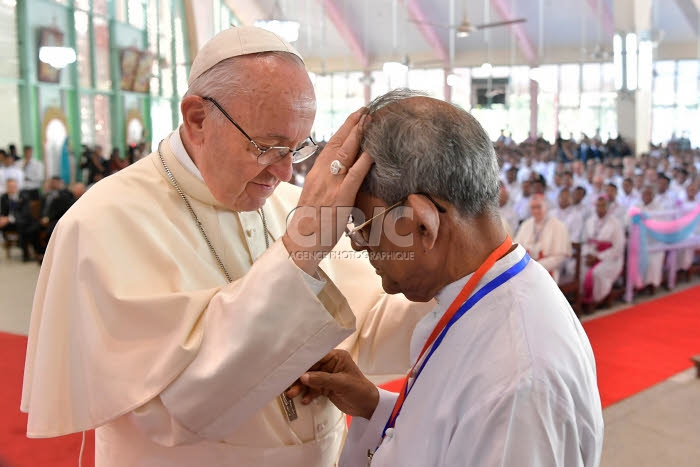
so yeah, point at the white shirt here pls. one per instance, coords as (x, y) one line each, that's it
(33, 174)
(573, 219)
(13, 173)
(513, 383)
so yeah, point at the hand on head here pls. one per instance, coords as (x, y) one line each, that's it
(309, 230)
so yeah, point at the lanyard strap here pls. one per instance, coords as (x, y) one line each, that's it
(457, 309)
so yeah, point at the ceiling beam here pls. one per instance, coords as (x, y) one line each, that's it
(518, 30)
(607, 21)
(346, 32)
(690, 12)
(427, 30)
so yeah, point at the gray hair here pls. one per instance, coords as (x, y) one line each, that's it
(440, 150)
(225, 79)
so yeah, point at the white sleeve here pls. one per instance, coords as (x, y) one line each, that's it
(365, 435)
(210, 397)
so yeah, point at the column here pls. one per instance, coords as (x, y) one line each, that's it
(634, 67)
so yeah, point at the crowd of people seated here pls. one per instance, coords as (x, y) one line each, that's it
(31, 204)
(557, 194)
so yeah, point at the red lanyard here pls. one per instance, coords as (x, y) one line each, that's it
(454, 307)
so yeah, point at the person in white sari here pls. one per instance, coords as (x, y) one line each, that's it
(545, 237)
(512, 380)
(181, 297)
(602, 254)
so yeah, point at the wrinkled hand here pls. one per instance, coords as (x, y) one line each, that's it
(591, 260)
(311, 232)
(337, 377)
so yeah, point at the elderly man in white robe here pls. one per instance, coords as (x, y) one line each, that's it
(175, 306)
(572, 219)
(602, 254)
(545, 237)
(504, 373)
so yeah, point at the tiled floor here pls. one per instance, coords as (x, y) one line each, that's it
(659, 427)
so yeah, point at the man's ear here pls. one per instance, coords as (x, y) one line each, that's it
(426, 219)
(194, 113)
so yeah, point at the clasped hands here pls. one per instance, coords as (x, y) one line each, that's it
(337, 377)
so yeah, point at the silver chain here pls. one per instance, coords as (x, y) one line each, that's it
(199, 224)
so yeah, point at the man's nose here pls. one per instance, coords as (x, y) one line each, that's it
(282, 169)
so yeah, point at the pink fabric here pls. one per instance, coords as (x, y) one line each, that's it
(666, 227)
(633, 257)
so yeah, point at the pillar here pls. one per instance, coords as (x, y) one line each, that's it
(632, 29)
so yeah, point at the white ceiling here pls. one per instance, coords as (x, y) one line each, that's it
(568, 27)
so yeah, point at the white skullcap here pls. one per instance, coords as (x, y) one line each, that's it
(234, 42)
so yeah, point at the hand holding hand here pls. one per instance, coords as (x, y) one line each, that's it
(337, 377)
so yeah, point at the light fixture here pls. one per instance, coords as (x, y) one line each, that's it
(393, 68)
(486, 68)
(57, 57)
(452, 80)
(287, 30)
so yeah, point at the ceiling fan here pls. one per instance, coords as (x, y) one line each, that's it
(465, 28)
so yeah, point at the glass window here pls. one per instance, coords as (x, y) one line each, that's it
(380, 84)
(162, 120)
(136, 13)
(87, 120)
(82, 34)
(461, 87)
(99, 7)
(10, 131)
(664, 83)
(323, 125)
(103, 133)
(569, 85)
(430, 81)
(687, 82)
(102, 63)
(82, 5)
(9, 61)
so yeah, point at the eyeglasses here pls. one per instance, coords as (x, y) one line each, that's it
(268, 155)
(359, 235)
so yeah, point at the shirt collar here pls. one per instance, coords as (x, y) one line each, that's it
(182, 156)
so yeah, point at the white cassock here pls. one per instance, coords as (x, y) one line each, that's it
(549, 244)
(667, 201)
(136, 332)
(685, 256)
(510, 219)
(522, 208)
(572, 219)
(606, 231)
(512, 384)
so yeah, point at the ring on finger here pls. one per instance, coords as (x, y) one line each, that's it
(337, 167)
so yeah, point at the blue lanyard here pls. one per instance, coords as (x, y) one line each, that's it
(473, 300)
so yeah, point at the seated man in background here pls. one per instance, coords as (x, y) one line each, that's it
(602, 254)
(507, 376)
(56, 202)
(545, 237)
(16, 216)
(572, 219)
(508, 214)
